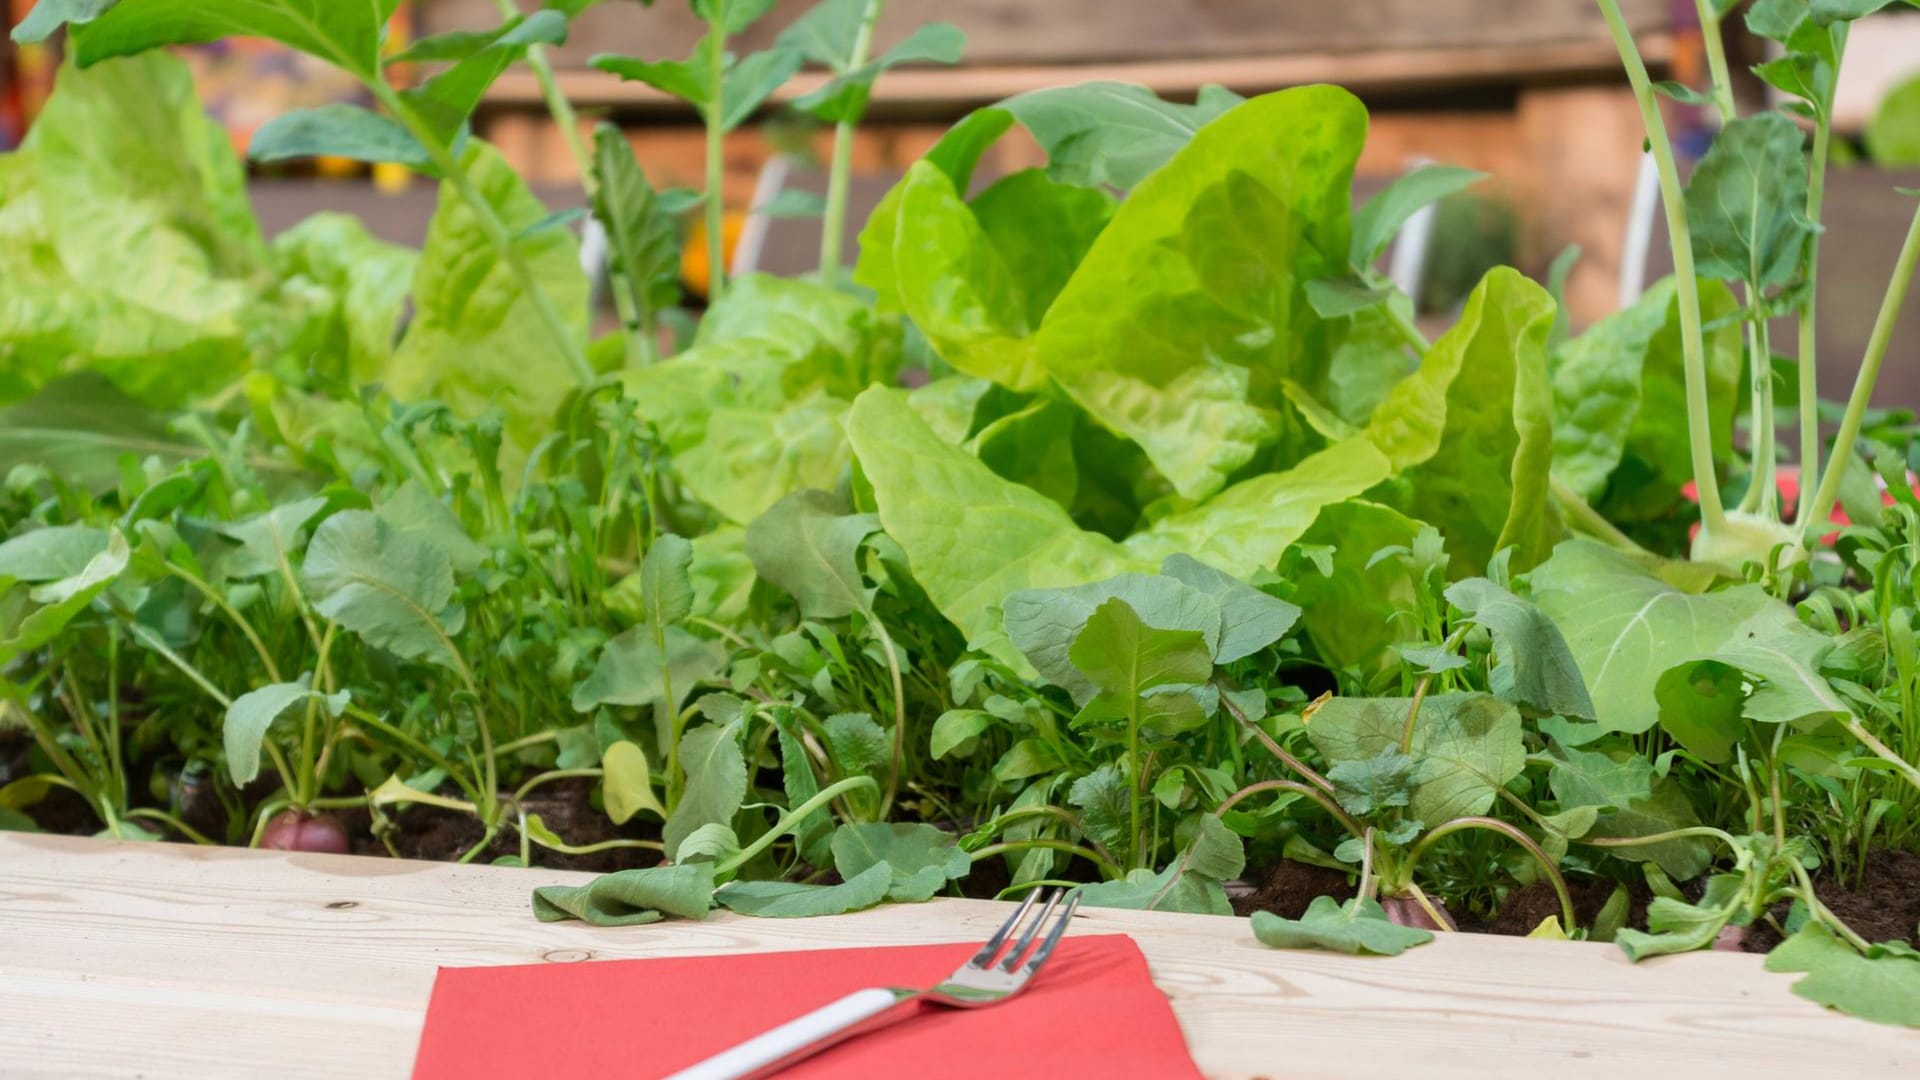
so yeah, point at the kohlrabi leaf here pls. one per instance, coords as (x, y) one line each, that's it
(1189, 292)
(476, 340)
(1468, 746)
(643, 238)
(1746, 202)
(252, 714)
(1044, 623)
(631, 897)
(1250, 620)
(1626, 627)
(791, 900)
(1357, 926)
(446, 101)
(340, 130)
(1472, 429)
(1534, 669)
(346, 35)
(1139, 671)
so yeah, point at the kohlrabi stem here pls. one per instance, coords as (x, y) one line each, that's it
(840, 180)
(1809, 336)
(1713, 514)
(716, 156)
(1863, 384)
(490, 224)
(1717, 62)
(1585, 518)
(1762, 496)
(557, 103)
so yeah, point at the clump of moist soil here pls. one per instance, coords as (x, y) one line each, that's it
(1534, 904)
(1885, 906)
(1286, 888)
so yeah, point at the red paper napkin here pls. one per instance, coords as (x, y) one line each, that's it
(1093, 1010)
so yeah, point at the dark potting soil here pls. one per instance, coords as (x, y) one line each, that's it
(436, 834)
(1287, 887)
(1884, 906)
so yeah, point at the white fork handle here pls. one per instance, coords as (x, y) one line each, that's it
(763, 1055)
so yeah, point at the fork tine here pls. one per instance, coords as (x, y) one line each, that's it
(992, 948)
(1013, 954)
(1045, 949)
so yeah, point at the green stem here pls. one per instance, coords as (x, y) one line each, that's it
(1863, 384)
(1809, 337)
(1559, 883)
(1713, 514)
(1324, 800)
(1717, 61)
(840, 180)
(1585, 518)
(899, 717)
(789, 819)
(174, 823)
(490, 225)
(557, 104)
(214, 597)
(716, 157)
(152, 641)
(1881, 750)
(550, 776)
(1763, 497)
(309, 769)
(1451, 644)
(1108, 867)
(1276, 749)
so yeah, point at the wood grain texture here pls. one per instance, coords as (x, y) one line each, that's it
(1086, 31)
(173, 961)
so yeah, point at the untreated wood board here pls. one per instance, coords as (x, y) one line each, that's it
(171, 961)
(1081, 31)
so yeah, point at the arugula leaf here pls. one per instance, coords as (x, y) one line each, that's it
(809, 545)
(922, 858)
(631, 897)
(716, 783)
(1127, 661)
(789, 900)
(642, 235)
(1358, 926)
(1191, 883)
(1535, 668)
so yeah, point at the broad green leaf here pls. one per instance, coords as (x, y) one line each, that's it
(631, 897)
(716, 783)
(394, 589)
(812, 834)
(414, 511)
(346, 35)
(824, 35)
(632, 671)
(1043, 229)
(1191, 883)
(252, 714)
(1112, 134)
(1620, 391)
(1126, 660)
(1044, 623)
(1355, 927)
(956, 730)
(666, 593)
(856, 744)
(753, 457)
(1250, 620)
(61, 601)
(367, 279)
(789, 900)
(1641, 806)
(721, 573)
(1366, 786)
(50, 554)
(1827, 12)
(476, 339)
(1893, 135)
(642, 236)
(1700, 706)
(1104, 798)
(446, 101)
(1472, 430)
(1034, 447)
(1246, 528)
(1377, 223)
(50, 15)
(971, 537)
(923, 859)
(956, 154)
(746, 83)
(1468, 746)
(346, 131)
(77, 428)
(628, 782)
(809, 544)
(267, 541)
(1626, 627)
(1352, 611)
(732, 16)
(1534, 668)
(1746, 202)
(1187, 297)
(1883, 986)
(1679, 927)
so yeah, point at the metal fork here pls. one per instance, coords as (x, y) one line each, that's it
(992, 976)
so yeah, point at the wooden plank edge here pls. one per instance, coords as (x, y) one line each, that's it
(1389, 70)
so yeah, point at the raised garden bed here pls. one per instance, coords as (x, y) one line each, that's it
(1112, 524)
(174, 962)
